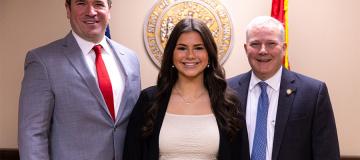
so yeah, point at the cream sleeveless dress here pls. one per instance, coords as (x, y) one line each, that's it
(189, 137)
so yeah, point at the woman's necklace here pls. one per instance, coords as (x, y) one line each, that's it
(189, 100)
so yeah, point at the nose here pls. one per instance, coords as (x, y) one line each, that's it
(263, 49)
(191, 54)
(91, 11)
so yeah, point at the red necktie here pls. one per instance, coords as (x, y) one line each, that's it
(104, 80)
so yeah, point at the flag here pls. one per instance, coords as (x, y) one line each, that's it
(279, 11)
(107, 32)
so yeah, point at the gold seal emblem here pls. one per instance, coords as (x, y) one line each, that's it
(165, 14)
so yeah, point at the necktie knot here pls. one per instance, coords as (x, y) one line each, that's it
(263, 86)
(97, 49)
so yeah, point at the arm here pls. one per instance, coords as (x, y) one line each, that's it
(245, 153)
(35, 110)
(325, 141)
(134, 140)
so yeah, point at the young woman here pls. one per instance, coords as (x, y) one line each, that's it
(190, 113)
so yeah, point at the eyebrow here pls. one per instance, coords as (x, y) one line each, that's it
(270, 40)
(97, 1)
(196, 45)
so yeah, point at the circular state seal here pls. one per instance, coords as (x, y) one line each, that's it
(165, 14)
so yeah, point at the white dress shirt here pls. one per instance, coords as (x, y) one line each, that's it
(252, 104)
(112, 66)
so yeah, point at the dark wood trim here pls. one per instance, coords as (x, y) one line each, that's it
(350, 157)
(9, 154)
(13, 154)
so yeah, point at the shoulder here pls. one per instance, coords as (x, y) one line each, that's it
(305, 85)
(121, 48)
(233, 81)
(302, 79)
(145, 100)
(49, 48)
(46, 53)
(152, 90)
(148, 94)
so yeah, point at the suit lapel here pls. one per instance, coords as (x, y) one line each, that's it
(284, 106)
(74, 54)
(122, 64)
(243, 89)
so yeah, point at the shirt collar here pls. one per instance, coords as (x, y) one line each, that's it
(273, 82)
(86, 46)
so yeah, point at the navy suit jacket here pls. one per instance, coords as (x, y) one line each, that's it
(305, 125)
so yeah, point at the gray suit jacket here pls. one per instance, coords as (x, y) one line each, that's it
(62, 114)
(305, 125)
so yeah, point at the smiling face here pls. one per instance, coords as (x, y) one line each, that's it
(265, 50)
(89, 18)
(190, 55)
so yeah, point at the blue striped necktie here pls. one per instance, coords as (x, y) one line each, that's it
(260, 137)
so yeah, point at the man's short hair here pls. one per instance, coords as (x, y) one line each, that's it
(68, 2)
(266, 21)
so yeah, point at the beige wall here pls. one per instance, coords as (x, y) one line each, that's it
(324, 43)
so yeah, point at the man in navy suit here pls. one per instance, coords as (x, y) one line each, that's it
(300, 123)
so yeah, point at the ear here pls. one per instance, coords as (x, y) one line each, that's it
(245, 48)
(284, 47)
(109, 11)
(68, 10)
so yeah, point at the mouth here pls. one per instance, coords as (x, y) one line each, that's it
(90, 21)
(263, 59)
(190, 64)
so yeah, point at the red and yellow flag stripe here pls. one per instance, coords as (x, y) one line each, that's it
(279, 10)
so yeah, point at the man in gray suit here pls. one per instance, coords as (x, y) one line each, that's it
(64, 111)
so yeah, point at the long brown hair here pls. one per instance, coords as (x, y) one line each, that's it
(224, 104)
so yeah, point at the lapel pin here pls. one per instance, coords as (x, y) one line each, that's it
(289, 91)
